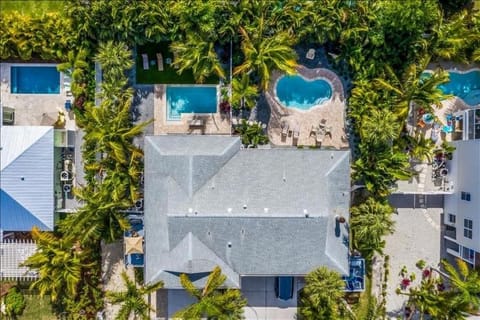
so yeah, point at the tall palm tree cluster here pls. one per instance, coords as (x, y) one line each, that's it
(68, 262)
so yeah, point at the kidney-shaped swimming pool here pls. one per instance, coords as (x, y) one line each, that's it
(297, 92)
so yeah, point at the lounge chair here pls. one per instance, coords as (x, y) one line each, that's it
(196, 123)
(160, 61)
(146, 65)
(284, 129)
(310, 54)
(296, 132)
(328, 130)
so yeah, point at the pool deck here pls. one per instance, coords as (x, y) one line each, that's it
(214, 123)
(332, 111)
(34, 109)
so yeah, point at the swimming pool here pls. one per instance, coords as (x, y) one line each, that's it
(35, 79)
(190, 99)
(465, 85)
(300, 93)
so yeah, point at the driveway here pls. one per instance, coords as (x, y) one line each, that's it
(417, 237)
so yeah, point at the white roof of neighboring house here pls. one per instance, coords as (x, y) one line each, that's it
(26, 175)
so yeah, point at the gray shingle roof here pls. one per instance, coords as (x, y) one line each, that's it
(203, 193)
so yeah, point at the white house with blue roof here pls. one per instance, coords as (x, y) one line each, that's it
(26, 178)
(261, 215)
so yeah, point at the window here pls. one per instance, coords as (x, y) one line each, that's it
(452, 218)
(468, 254)
(465, 196)
(467, 228)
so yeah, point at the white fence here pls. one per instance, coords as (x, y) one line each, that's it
(12, 254)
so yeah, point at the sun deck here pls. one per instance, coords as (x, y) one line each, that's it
(332, 112)
(211, 123)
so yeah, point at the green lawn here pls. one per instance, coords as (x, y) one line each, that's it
(31, 7)
(169, 75)
(37, 309)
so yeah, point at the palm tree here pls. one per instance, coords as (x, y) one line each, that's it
(212, 302)
(322, 296)
(243, 93)
(197, 54)
(379, 167)
(380, 126)
(263, 54)
(421, 148)
(132, 300)
(370, 222)
(414, 87)
(59, 262)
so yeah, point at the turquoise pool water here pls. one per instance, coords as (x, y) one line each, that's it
(463, 85)
(190, 99)
(297, 92)
(45, 80)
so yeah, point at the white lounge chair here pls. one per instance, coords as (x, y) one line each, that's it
(310, 54)
(284, 129)
(160, 61)
(146, 65)
(296, 132)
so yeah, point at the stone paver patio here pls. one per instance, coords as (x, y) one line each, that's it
(214, 123)
(333, 111)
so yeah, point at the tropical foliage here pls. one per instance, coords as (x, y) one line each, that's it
(252, 133)
(322, 297)
(370, 222)
(212, 302)
(14, 302)
(132, 301)
(446, 295)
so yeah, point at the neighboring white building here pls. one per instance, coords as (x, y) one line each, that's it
(461, 209)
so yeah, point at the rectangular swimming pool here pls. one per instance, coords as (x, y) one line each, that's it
(190, 99)
(34, 79)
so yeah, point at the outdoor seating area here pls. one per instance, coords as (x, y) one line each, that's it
(355, 281)
(319, 126)
(133, 242)
(154, 65)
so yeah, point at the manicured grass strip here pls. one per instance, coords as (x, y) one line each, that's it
(31, 7)
(169, 75)
(37, 308)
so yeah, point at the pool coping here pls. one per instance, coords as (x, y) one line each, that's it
(6, 80)
(189, 114)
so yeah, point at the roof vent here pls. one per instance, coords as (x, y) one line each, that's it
(229, 210)
(244, 207)
(229, 244)
(331, 155)
(190, 210)
(22, 178)
(265, 210)
(305, 211)
(243, 231)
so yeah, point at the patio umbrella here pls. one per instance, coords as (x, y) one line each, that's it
(133, 245)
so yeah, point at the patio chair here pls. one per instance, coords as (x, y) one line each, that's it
(160, 61)
(328, 130)
(319, 137)
(310, 54)
(146, 65)
(284, 129)
(322, 124)
(8, 116)
(68, 105)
